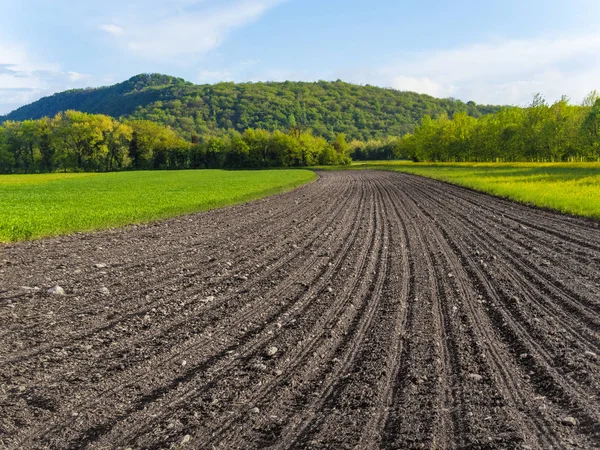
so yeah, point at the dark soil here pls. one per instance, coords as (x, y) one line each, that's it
(364, 310)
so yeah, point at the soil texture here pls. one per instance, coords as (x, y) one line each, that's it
(364, 310)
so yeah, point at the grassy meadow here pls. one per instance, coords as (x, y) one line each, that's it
(572, 188)
(34, 206)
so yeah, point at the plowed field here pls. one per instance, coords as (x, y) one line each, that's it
(364, 310)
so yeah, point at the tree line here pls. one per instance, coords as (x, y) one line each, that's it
(78, 141)
(539, 132)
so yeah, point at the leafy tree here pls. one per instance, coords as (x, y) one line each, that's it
(590, 130)
(7, 159)
(150, 144)
(590, 99)
(81, 138)
(118, 143)
(45, 132)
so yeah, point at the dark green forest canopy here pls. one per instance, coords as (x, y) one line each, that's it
(328, 108)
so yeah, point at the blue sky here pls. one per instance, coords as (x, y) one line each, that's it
(499, 52)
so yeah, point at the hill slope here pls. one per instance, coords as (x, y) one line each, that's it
(362, 112)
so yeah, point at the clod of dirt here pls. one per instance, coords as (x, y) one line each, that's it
(104, 290)
(569, 421)
(271, 351)
(56, 290)
(475, 377)
(28, 288)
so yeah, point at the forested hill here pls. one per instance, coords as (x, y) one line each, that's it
(328, 108)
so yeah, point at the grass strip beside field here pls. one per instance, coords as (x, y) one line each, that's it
(34, 206)
(572, 188)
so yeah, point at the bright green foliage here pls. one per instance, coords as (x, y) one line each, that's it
(280, 124)
(539, 132)
(328, 108)
(77, 141)
(80, 139)
(33, 206)
(590, 131)
(572, 188)
(261, 148)
(154, 146)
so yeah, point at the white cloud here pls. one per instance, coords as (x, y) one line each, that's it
(186, 29)
(76, 76)
(112, 29)
(498, 72)
(423, 85)
(25, 78)
(214, 76)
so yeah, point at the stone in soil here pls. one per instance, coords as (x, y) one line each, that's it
(569, 421)
(271, 351)
(56, 290)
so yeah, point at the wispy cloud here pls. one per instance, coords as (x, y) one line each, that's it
(214, 76)
(191, 28)
(25, 78)
(502, 71)
(113, 29)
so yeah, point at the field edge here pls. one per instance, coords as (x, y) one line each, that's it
(168, 214)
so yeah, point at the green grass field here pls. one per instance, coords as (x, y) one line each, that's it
(33, 206)
(572, 188)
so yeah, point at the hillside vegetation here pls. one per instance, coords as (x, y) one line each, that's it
(161, 122)
(328, 108)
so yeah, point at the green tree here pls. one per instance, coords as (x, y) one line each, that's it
(118, 142)
(45, 132)
(7, 159)
(590, 130)
(81, 138)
